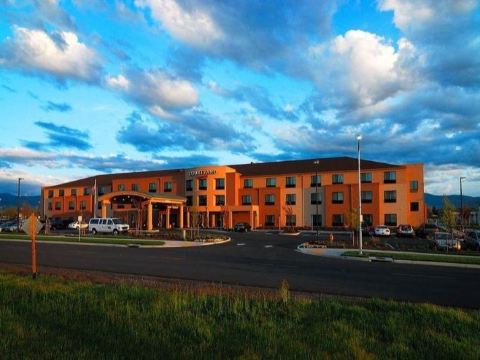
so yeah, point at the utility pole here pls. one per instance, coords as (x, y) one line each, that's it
(359, 137)
(18, 204)
(461, 200)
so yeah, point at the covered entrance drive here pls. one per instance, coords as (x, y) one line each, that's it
(144, 211)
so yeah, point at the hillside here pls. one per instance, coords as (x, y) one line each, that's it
(8, 200)
(437, 200)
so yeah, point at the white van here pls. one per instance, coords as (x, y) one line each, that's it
(107, 225)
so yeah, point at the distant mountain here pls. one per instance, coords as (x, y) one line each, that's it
(8, 200)
(437, 200)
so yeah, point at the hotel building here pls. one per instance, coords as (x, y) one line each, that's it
(301, 193)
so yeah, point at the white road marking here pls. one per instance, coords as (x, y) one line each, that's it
(240, 244)
(268, 246)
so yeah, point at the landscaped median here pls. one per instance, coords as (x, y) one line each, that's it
(85, 239)
(51, 317)
(441, 258)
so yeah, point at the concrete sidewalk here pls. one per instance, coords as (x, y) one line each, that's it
(337, 253)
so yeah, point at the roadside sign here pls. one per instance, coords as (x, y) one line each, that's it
(32, 224)
(80, 219)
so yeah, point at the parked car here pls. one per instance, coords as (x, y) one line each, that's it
(107, 225)
(405, 230)
(9, 226)
(446, 241)
(472, 239)
(381, 230)
(75, 225)
(428, 230)
(242, 227)
(59, 223)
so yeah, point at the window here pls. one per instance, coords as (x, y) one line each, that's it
(270, 199)
(101, 190)
(50, 193)
(389, 177)
(248, 183)
(291, 220)
(271, 182)
(94, 221)
(414, 186)
(86, 191)
(219, 200)
(337, 220)
(246, 200)
(135, 187)
(337, 179)
(366, 177)
(121, 206)
(291, 199)
(317, 220)
(189, 200)
(189, 185)
(390, 196)
(202, 200)
(202, 184)
(121, 187)
(315, 198)
(71, 205)
(391, 219)
(367, 219)
(414, 206)
(367, 197)
(269, 220)
(73, 192)
(315, 180)
(167, 186)
(58, 205)
(83, 205)
(219, 184)
(290, 181)
(61, 192)
(152, 187)
(49, 206)
(337, 198)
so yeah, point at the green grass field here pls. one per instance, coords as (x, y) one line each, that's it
(456, 259)
(86, 239)
(59, 319)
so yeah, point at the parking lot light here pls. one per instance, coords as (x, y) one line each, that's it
(359, 138)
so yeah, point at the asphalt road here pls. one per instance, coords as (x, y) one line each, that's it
(265, 260)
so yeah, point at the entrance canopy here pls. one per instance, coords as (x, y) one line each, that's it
(137, 198)
(128, 196)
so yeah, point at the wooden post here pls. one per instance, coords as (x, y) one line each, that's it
(33, 234)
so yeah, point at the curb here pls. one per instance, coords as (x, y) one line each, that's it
(131, 245)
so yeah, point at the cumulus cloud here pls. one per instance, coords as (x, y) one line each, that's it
(359, 69)
(59, 55)
(155, 90)
(193, 25)
(445, 33)
(60, 137)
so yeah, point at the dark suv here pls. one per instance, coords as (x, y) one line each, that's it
(242, 227)
(428, 230)
(472, 239)
(59, 223)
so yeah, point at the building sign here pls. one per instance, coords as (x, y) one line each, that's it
(201, 172)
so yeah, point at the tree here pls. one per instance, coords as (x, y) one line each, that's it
(447, 216)
(352, 219)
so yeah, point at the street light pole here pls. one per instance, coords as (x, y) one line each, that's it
(316, 162)
(461, 200)
(359, 137)
(18, 204)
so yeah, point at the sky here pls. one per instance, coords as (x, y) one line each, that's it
(96, 86)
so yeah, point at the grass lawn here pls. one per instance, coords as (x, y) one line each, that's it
(59, 319)
(85, 239)
(458, 259)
